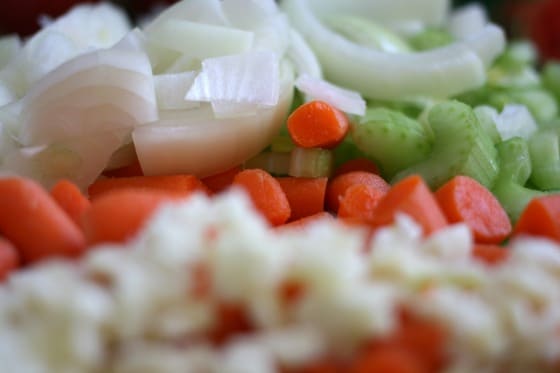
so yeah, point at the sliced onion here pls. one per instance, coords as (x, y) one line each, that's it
(345, 100)
(7, 95)
(92, 93)
(208, 145)
(248, 14)
(202, 40)
(10, 45)
(440, 72)
(201, 11)
(515, 120)
(467, 20)
(251, 78)
(172, 88)
(302, 57)
(485, 41)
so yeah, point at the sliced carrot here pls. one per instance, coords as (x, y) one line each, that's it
(541, 217)
(117, 216)
(359, 202)
(221, 181)
(357, 164)
(302, 223)
(490, 254)
(413, 197)
(266, 193)
(337, 187)
(231, 319)
(182, 185)
(133, 169)
(32, 220)
(325, 365)
(387, 359)
(9, 259)
(317, 124)
(306, 195)
(463, 199)
(71, 199)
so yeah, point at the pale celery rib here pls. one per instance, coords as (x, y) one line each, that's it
(544, 149)
(393, 140)
(461, 147)
(515, 169)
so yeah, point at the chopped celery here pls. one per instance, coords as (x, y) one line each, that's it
(346, 151)
(551, 78)
(487, 116)
(275, 163)
(310, 162)
(282, 144)
(515, 169)
(393, 140)
(367, 33)
(461, 147)
(430, 38)
(540, 102)
(517, 56)
(544, 149)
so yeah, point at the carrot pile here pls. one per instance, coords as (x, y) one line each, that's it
(36, 224)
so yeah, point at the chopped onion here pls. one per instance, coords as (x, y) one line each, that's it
(249, 78)
(345, 100)
(467, 20)
(203, 144)
(10, 45)
(248, 14)
(302, 57)
(201, 11)
(96, 92)
(515, 120)
(172, 88)
(202, 40)
(440, 72)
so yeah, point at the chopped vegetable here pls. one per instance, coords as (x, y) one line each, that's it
(541, 217)
(305, 195)
(338, 186)
(266, 193)
(33, 221)
(71, 199)
(9, 259)
(463, 199)
(317, 124)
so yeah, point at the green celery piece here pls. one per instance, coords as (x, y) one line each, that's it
(430, 38)
(310, 162)
(515, 168)
(485, 115)
(540, 102)
(367, 33)
(551, 78)
(461, 147)
(391, 139)
(518, 55)
(346, 151)
(275, 163)
(544, 149)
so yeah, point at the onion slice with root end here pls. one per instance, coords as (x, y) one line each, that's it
(440, 72)
(345, 100)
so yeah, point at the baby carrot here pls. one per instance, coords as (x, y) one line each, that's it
(182, 185)
(9, 259)
(301, 223)
(117, 216)
(413, 197)
(317, 124)
(266, 193)
(463, 199)
(32, 220)
(70, 199)
(339, 184)
(357, 164)
(221, 181)
(359, 202)
(541, 217)
(489, 253)
(306, 195)
(387, 359)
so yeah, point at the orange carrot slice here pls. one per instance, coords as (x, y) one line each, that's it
(182, 185)
(266, 193)
(338, 186)
(463, 199)
(357, 164)
(117, 216)
(359, 202)
(317, 124)
(9, 259)
(221, 181)
(541, 217)
(306, 195)
(32, 220)
(70, 198)
(413, 197)
(490, 254)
